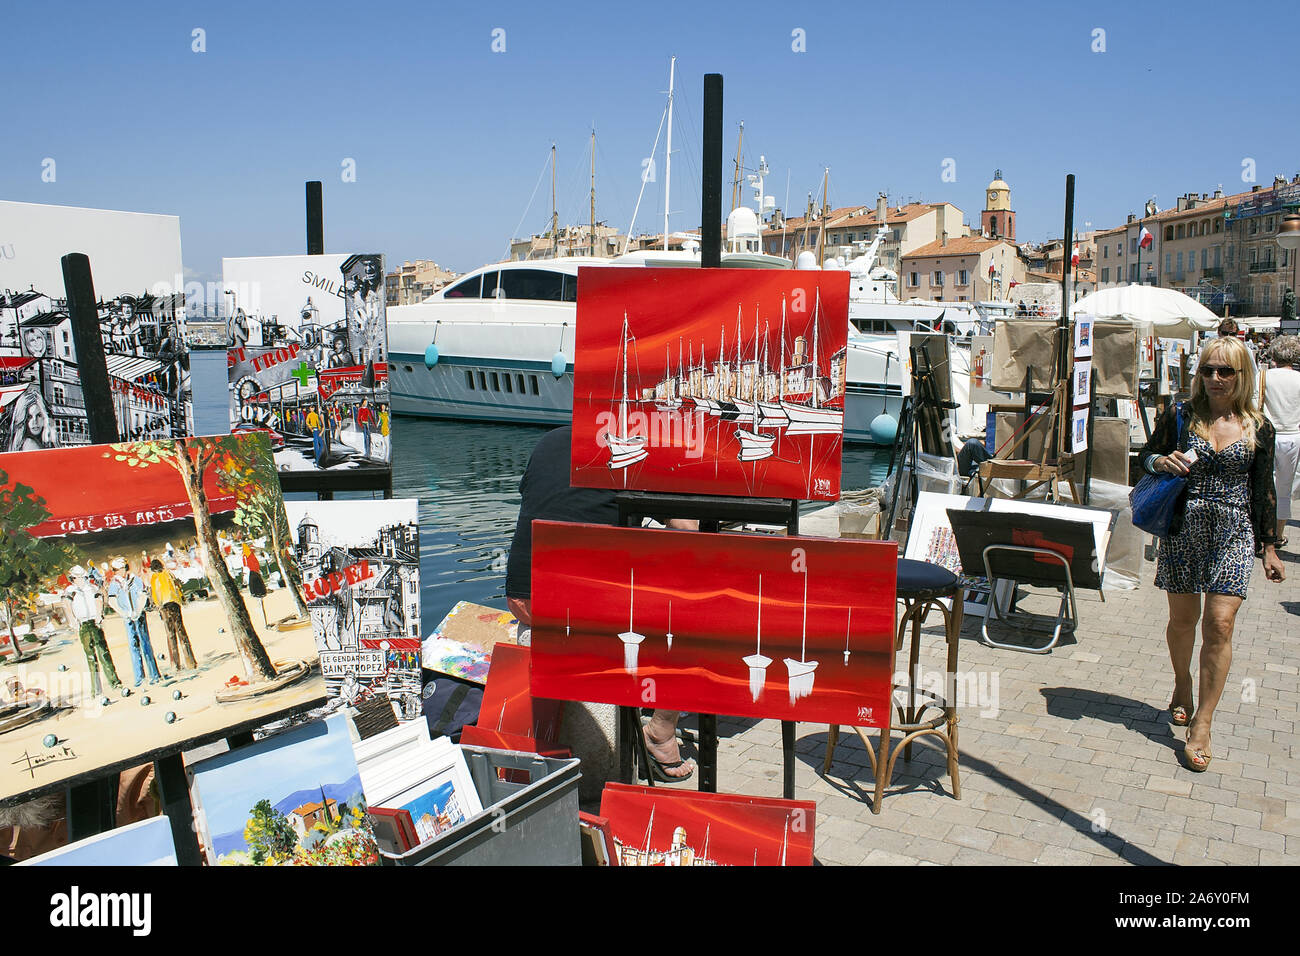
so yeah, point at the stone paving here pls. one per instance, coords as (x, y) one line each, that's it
(1069, 757)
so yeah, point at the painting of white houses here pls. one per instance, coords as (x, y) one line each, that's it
(361, 566)
(135, 263)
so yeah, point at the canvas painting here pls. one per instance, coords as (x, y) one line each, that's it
(1079, 429)
(145, 843)
(135, 263)
(1082, 382)
(293, 799)
(748, 625)
(1082, 336)
(308, 361)
(360, 563)
(930, 539)
(654, 826)
(151, 600)
(462, 644)
(718, 381)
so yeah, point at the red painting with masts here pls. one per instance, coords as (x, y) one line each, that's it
(747, 625)
(711, 381)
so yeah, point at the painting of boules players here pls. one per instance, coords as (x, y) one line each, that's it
(149, 598)
(308, 361)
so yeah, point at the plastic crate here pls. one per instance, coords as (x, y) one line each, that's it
(522, 824)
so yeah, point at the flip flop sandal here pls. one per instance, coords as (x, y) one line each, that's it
(1198, 760)
(658, 771)
(1178, 715)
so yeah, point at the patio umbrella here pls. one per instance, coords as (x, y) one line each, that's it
(1166, 312)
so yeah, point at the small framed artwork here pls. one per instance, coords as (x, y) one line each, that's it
(1079, 430)
(1083, 336)
(394, 829)
(597, 840)
(1082, 382)
(445, 799)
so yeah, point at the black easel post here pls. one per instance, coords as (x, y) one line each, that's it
(1063, 356)
(91, 807)
(315, 220)
(711, 258)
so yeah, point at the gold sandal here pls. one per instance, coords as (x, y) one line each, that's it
(1198, 759)
(1179, 715)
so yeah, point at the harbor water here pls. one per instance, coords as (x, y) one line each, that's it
(466, 478)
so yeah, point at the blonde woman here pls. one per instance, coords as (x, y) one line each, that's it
(1225, 450)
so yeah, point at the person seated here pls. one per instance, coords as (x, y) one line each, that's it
(548, 496)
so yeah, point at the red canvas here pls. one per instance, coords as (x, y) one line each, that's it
(500, 740)
(654, 826)
(718, 381)
(671, 619)
(508, 704)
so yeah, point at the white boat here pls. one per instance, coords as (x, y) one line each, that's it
(758, 662)
(813, 417)
(754, 445)
(630, 638)
(624, 449)
(803, 671)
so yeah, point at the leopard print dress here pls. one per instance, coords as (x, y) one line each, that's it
(1214, 551)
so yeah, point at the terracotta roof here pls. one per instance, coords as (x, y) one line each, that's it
(839, 218)
(961, 246)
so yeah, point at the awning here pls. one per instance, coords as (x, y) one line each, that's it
(130, 368)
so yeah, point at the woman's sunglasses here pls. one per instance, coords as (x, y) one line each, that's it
(1218, 371)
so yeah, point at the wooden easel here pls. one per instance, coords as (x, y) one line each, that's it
(1049, 469)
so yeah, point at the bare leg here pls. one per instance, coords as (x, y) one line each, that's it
(1216, 658)
(1281, 528)
(1180, 635)
(661, 741)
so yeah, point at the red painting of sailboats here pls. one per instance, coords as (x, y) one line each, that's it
(606, 600)
(719, 381)
(655, 826)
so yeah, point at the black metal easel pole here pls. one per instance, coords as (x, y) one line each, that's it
(315, 220)
(1063, 356)
(92, 807)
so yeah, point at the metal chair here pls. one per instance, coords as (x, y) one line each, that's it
(922, 587)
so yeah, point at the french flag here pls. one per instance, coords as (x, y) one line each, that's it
(1074, 256)
(1144, 238)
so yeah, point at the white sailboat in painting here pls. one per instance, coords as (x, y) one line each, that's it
(814, 417)
(669, 635)
(754, 445)
(624, 449)
(758, 662)
(847, 628)
(670, 389)
(771, 414)
(803, 671)
(630, 638)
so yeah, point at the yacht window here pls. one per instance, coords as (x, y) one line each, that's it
(466, 289)
(534, 384)
(469, 380)
(570, 291)
(533, 284)
(496, 382)
(508, 386)
(490, 281)
(522, 390)
(482, 381)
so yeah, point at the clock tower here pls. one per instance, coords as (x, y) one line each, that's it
(998, 221)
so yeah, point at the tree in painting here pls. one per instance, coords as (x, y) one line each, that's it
(192, 459)
(26, 561)
(269, 834)
(260, 511)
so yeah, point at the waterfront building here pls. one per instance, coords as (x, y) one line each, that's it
(958, 270)
(415, 281)
(852, 228)
(998, 220)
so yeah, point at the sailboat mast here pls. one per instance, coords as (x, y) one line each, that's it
(735, 181)
(782, 350)
(555, 215)
(817, 305)
(821, 234)
(631, 597)
(803, 647)
(758, 649)
(592, 235)
(668, 153)
(622, 405)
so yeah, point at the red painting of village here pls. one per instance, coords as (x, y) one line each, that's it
(718, 381)
(654, 826)
(746, 625)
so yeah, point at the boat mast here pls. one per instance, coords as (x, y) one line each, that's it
(622, 405)
(592, 235)
(821, 235)
(735, 181)
(668, 153)
(782, 378)
(555, 216)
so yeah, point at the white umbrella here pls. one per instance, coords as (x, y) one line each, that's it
(1168, 313)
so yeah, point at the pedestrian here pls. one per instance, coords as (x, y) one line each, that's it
(253, 573)
(365, 417)
(1280, 400)
(317, 428)
(1225, 449)
(166, 593)
(130, 597)
(383, 431)
(84, 604)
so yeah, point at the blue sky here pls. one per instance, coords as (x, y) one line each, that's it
(449, 138)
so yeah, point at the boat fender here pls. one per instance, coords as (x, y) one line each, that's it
(884, 429)
(558, 364)
(431, 356)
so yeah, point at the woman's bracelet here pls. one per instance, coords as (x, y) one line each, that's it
(1150, 464)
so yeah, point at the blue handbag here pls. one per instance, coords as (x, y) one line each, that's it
(1157, 499)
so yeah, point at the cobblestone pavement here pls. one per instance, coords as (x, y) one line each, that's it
(1069, 757)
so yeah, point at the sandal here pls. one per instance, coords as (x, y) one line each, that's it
(659, 771)
(1179, 716)
(1198, 759)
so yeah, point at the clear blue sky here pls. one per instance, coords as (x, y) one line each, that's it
(449, 138)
